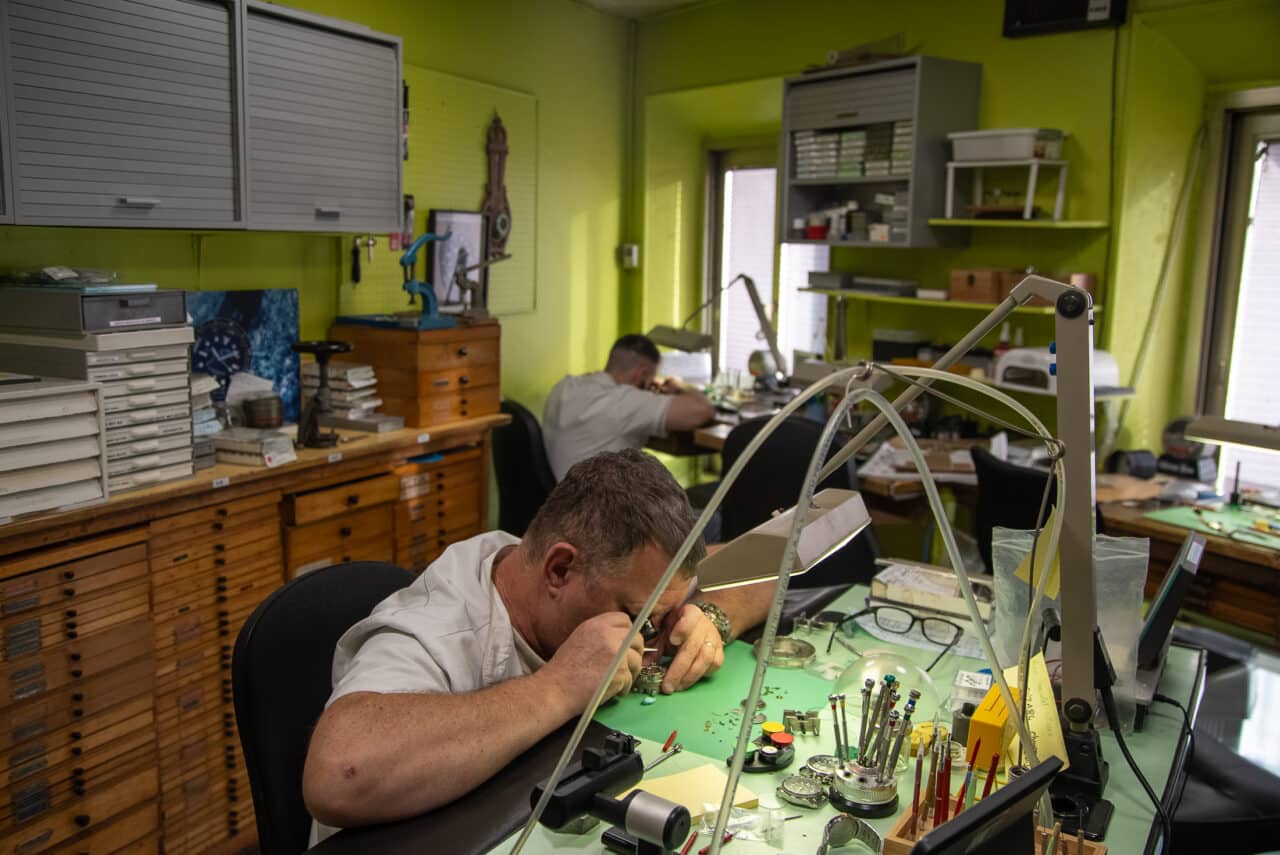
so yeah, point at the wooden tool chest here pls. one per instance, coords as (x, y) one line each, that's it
(430, 377)
(118, 624)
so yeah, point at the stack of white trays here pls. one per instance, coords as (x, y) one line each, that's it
(52, 449)
(145, 377)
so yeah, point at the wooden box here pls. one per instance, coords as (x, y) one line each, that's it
(900, 842)
(985, 285)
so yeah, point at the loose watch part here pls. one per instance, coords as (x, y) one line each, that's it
(788, 652)
(719, 619)
(802, 791)
(822, 767)
(649, 680)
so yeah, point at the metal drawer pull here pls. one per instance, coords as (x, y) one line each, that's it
(138, 202)
(849, 114)
(463, 351)
(323, 211)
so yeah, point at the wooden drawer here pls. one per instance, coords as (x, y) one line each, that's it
(327, 537)
(88, 812)
(134, 833)
(74, 660)
(442, 461)
(436, 381)
(442, 409)
(437, 506)
(75, 740)
(381, 549)
(69, 552)
(32, 591)
(427, 350)
(455, 477)
(268, 549)
(65, 784)
(437, 517)
(417, 554)
(310, 507)
(35, 719)
(204, 625)
(264, 504)
(187, 544)
(175, 709)
(76, 617)
(210, 588)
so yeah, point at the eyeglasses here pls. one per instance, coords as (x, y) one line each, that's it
(900, 622)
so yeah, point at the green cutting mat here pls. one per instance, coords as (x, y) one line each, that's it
(1235, 522)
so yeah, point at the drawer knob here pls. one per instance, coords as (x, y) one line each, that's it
(222, 580)
(71, 613)
(345, 531)
(74, 657)
(463, 351)
(219, 547)
(353, 500)
(219, 562)
(222, 512)
(71, 624)
(83, 820)
(76, 673)
(78, 789)
(72, 634)
(77, 697)
(69, 574)
(217, 526)
(68, 592)
(346, 558)
(464, 380)
(75, 735)
(77, 772)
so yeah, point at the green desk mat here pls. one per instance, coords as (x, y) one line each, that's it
(1235, 520)
(707, 719)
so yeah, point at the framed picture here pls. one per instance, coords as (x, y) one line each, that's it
(248, 332)
(466, 247)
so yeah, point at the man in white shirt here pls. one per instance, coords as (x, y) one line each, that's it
(617, 408)
(512, 637)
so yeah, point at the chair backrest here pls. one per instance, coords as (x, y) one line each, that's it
(522, 469)
(772, 481)
(281, 676)
(1008, 496)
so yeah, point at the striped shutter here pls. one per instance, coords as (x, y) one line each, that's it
(322, 127)
(123, 112)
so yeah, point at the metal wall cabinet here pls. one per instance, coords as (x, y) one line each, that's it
(6, 201)
(828, 118)
(122, 112)
(322, 123)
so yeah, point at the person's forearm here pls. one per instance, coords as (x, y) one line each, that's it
(378, 757)
(746, 606)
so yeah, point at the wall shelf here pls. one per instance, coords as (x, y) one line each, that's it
(917, 302)
(850, 243)
(1020, 224)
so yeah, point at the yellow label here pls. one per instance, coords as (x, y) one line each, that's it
(1042, 713)
(1024, 569)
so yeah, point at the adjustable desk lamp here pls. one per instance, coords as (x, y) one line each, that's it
(691, 341)
(1074, 347)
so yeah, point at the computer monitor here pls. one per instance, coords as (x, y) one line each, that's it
(998, 824)
(1155, 631)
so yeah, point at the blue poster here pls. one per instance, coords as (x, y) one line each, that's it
(250, 331)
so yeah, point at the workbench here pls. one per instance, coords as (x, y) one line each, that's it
(707, 717)
(119, 621)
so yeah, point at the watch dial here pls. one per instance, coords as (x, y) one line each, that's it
(222, 348)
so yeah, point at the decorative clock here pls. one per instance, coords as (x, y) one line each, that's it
(496, 207)
(222, 348)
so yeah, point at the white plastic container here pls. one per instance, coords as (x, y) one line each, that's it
(1008, 144)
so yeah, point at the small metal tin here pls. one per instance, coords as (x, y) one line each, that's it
(802, 791)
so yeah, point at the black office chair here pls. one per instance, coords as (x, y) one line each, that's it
(1008, 496)
(522, 469)
(281, 675)
(771, 481)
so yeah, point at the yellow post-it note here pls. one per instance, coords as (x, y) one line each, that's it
(1024, 569)
(695, 788)
(1042, 712)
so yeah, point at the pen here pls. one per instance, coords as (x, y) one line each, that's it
(991, 774)
(728, 835)
(915, 793)
(688, 844)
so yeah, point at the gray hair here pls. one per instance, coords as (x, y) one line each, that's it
(612, 504)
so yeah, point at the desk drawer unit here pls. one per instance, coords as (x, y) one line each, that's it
(349, 522)
(77, 712)
(431, 377)
(440, 503)
(210, 568)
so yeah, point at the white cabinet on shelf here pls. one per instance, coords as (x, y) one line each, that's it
(875, 135)
(322, 105)
(122, 112)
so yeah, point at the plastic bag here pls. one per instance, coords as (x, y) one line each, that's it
(1120, 571)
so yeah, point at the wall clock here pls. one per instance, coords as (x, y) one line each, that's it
(496, 207)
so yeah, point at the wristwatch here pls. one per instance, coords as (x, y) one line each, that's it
(719, 619)
(802, 791)
(845, 829)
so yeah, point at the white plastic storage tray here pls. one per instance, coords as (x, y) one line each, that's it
(1007, 144)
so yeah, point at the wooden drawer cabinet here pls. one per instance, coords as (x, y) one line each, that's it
(311, 507)
(448, 407)
(416, 552)
(132, 834)
(407, 384)
(39, 717)
(86, 734)
(32, 591)
(33, 676)
(262, 503)
(327, 536)
(73, 618)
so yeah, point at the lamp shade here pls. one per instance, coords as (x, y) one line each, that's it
(1222, 431)
(835, 518)
(680, 339)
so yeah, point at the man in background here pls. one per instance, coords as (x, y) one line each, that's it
(617, 408)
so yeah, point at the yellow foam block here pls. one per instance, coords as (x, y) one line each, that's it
(697, 787)
(990, 723)
(1042, 712)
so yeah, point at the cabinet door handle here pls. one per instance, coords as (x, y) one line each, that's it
(328, 211)
(848, 114)
(137, 202)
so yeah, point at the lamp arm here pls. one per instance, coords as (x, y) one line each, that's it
(575, 738)
(770, 335)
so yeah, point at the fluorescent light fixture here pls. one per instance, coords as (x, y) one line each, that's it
(680, 339)
(836, 517)
(1220, 431)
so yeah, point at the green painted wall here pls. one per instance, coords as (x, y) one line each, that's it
(571, 58)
